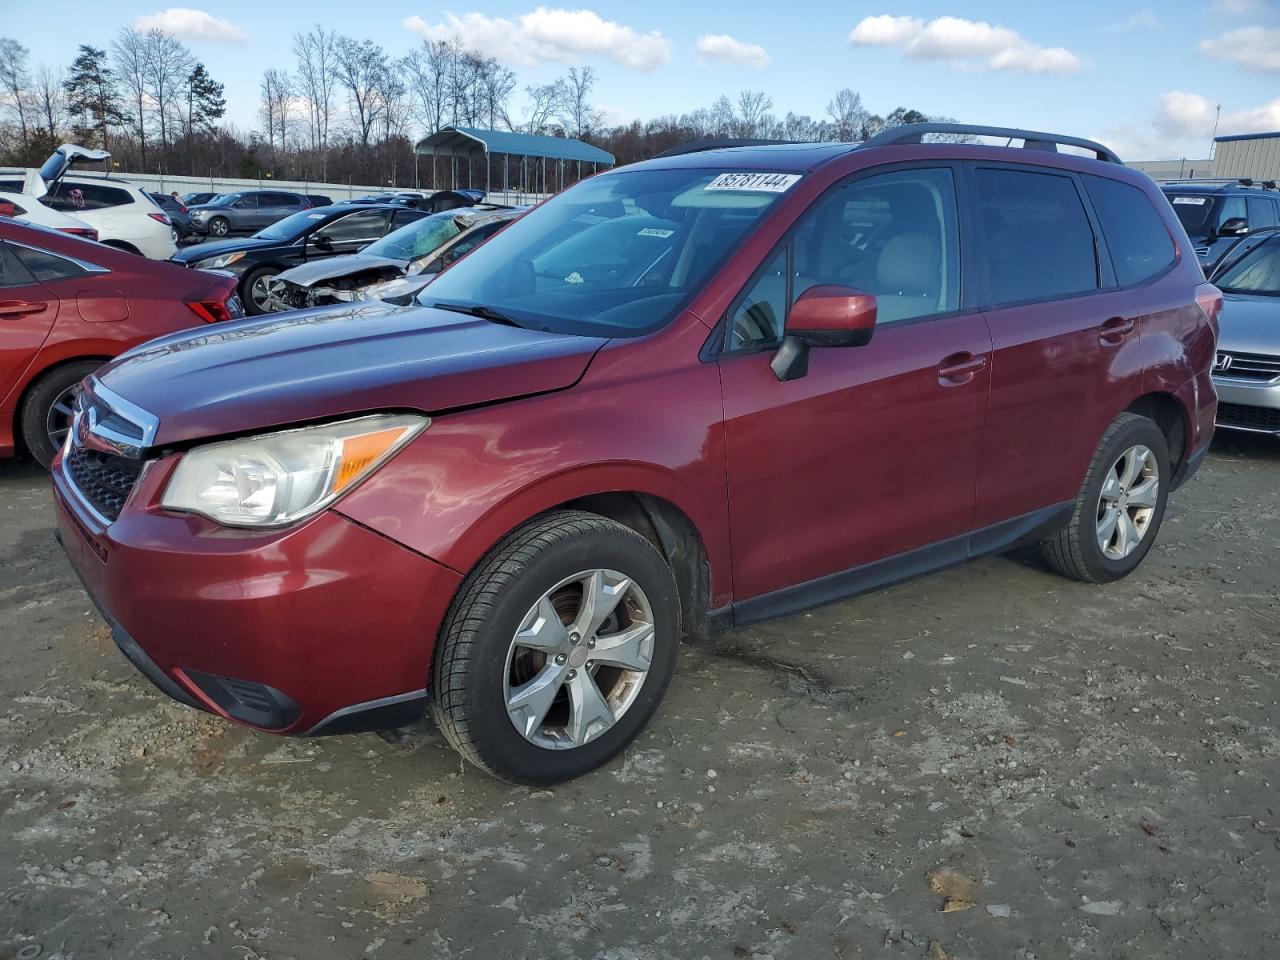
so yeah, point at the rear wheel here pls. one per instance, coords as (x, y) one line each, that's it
(257, 291)
(1120, 506)
(557, 650)
(45, 417)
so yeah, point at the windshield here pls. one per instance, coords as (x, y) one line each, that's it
(416, 239)
(1257, 272)
(613, 256)
(225, 199)
(1193, 210)
(294, 226)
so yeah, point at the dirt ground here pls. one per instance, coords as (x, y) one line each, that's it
(1104, 763)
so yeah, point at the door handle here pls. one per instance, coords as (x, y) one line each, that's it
(20, 308)
(1114, 330)
(960, 368)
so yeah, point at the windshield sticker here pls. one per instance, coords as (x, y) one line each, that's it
(758, 182)
(1197, 201)
(574, 277)
(315, 216)
(655, 232)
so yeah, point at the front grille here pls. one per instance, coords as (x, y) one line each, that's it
(102, 479)
(1250, 418)
(1250, 366)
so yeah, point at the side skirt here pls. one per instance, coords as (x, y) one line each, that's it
(837, 586)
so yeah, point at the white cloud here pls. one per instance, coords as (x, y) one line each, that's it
(188, 24)
(1142, 20)
(968, 43)
(1185, 115)
(727, 49)
(1183, 124)
(1253, 48)
(548, 34)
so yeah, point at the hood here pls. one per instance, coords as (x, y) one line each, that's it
(254, 375)
(335, 268)
(1249, 324)
(205, 251)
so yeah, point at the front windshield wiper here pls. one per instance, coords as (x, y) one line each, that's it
(486, 313)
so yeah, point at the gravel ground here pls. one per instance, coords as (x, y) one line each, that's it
(1095, 768)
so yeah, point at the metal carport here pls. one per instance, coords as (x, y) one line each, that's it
(469, 143)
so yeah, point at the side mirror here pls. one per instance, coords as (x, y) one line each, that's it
(823, 316)
(323, 242)
(1234, 227)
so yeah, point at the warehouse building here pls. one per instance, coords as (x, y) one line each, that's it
(1255, 155)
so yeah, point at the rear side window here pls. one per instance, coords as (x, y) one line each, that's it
(12, 272)
(1039, 241)
(47, 266)
(70, 197)
(1262, 212)
(1140, 245)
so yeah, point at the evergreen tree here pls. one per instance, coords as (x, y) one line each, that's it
(205, 101)
(93, 96)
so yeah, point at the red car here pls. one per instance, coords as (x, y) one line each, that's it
(689, 393)
(66, 306)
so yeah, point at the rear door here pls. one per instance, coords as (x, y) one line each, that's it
(348, 234)
(1066, 339)
(27, 313)
(874, 452)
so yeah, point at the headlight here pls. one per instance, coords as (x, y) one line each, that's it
(280, 478)
(400, 287)
(214, 263)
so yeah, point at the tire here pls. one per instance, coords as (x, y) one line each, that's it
(35, 418)
(247, 292)
(219, 227)
(479, 669)
(1077, 551)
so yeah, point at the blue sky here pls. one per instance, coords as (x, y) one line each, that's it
(1146, 79)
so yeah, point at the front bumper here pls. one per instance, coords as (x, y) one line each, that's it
(1251, 405)
(326, 627)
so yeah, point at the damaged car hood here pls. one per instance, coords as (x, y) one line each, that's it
(335, 268)
(281, 369)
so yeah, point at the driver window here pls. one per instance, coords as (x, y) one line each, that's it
(894, 235)
(1232, 208)
(246, 202)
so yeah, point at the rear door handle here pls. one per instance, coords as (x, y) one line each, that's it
(1114, 331)
(960, 368)
(20, 308)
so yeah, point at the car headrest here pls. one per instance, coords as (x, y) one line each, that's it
(909, 264)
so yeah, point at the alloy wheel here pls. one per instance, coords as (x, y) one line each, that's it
(260, 293)
(61, 413)
(1127, 502)
(579, 659)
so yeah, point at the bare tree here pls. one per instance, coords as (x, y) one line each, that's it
(427, 70)
(847, 115)
(129, 52)
(50, 102)
(580, 117)
(753, 119)
(361, 68)
(15, 83)
(544, 103)
(277, 92)
(168, 65)
(316, 79)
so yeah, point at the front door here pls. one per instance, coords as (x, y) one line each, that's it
(27, 313)
(874, 453)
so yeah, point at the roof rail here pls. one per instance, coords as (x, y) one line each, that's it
(1031, 139)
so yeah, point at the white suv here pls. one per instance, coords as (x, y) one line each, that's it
(124, 216)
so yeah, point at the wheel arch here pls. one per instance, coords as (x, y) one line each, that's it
(33, 378)
(1172, 417)
(124, 245)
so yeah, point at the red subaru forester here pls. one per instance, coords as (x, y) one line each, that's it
(693, 392)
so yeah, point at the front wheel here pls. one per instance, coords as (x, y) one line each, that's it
(219, 227)
(1120, 506)
(45, 417)
(257, 291)
(557, 650)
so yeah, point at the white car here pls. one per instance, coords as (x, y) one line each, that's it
(124, 216)
(20, 207)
